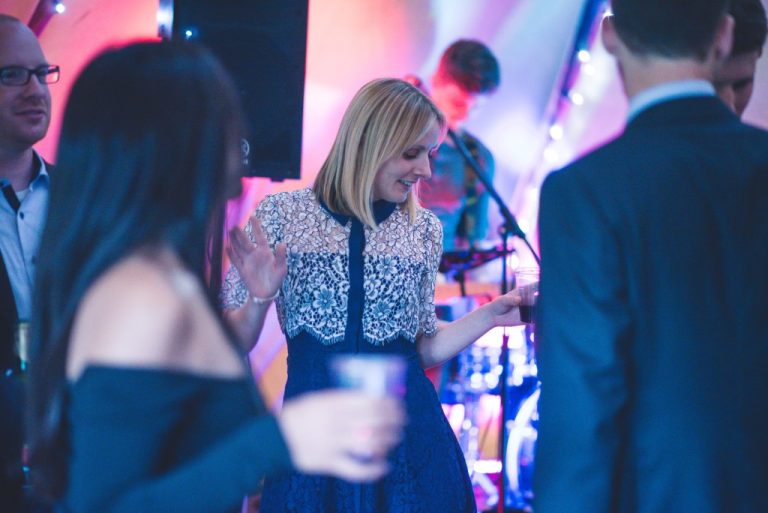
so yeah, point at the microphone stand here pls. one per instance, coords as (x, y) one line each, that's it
(509, 228)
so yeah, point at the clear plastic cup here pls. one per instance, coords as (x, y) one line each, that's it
(527, 284)
(378, 375)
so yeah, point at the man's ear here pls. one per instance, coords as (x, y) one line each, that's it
(723, 43)
(609, 36)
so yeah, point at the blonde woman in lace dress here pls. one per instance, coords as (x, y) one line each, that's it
(352, 265)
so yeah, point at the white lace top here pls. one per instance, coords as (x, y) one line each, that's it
(399, 262)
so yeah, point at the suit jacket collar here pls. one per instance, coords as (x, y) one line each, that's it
(667, 91)
(683, 111)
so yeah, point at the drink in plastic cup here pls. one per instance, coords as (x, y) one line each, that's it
(527, 284)
(378, 375)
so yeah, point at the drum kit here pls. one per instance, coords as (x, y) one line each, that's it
(472, 391)
(512, 373)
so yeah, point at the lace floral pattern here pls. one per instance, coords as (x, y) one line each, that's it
(400, 261)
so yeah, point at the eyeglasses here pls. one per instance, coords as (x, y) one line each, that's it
(19, 76)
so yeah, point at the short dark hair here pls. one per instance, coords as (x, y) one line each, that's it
(472, 65)
(668, 28)
(751, 26)
(148, 133)
(7, 18)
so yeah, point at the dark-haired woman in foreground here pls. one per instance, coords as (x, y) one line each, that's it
(140, 400)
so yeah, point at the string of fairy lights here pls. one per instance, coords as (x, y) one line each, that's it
(581, 82)
(588, 71)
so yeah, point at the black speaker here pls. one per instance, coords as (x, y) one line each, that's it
(263, 44)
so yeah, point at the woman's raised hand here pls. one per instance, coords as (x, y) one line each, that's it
(261, 268)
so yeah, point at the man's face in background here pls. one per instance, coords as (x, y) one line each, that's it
(735, 79)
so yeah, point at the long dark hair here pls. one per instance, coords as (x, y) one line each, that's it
(147, 138)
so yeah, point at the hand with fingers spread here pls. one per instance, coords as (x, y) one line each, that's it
(343, 433)
(261, 268)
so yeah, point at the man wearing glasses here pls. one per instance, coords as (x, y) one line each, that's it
(25, 112)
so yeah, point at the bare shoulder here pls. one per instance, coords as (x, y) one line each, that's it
(138, 315)
(126, 318)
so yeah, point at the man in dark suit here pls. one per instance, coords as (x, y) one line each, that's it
(25, 108)
(654, 289)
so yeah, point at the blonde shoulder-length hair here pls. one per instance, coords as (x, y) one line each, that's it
(385, 117)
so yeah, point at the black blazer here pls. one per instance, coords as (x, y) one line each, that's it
(8, 317)
(653, 335)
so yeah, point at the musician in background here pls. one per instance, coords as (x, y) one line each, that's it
(467, 72)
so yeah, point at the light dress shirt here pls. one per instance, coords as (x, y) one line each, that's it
(20, 234)
(668, 91)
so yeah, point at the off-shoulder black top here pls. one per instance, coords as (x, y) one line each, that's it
(144, 440)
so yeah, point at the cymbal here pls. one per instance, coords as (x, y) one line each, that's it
(466, 259)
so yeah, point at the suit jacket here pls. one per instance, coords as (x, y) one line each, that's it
(8, 318)
(653, 331)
